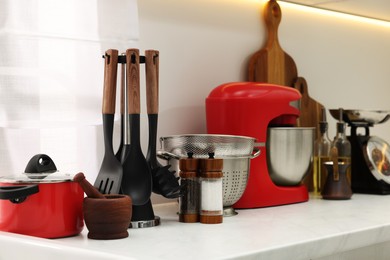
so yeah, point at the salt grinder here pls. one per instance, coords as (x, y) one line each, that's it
(211, 194)
(189, 180)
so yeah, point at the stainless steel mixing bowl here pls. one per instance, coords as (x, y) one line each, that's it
(289, 154)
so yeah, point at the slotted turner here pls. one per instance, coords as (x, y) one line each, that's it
(109, 177)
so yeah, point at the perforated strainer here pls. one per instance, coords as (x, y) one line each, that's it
(236, 152)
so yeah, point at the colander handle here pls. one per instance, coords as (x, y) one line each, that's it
(256, 152)
(167, 155)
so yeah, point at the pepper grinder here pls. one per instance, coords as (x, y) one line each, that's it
(211, 194)
(189, 181)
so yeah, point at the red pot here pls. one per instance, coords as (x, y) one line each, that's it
(50, 207)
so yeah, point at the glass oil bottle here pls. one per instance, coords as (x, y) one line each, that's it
(321, 154)
(343, 145)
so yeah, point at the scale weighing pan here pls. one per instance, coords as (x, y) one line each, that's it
(357, 116)
(377, 154)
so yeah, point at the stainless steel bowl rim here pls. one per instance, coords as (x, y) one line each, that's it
(292, 128)
(168, 155)
(207, 135)
(201, 145)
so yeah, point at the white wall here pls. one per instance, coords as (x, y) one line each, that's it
(204, 43)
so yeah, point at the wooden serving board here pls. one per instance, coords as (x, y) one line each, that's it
(271, 64)
(311, 110)
(310, 116)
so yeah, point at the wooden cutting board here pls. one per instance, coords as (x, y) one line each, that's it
(273, 65)
(310, 116)
(311, 110)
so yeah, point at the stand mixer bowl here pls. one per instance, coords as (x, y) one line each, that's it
(290, 154)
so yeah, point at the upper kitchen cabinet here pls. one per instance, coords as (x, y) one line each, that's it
(377, 9)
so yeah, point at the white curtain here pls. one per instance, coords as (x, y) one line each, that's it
(51, 78)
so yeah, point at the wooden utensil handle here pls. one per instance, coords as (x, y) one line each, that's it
(151, 71)
(133, 81)
(123, 85)
(109, 87)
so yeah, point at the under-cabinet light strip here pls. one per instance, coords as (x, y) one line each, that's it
(343, 15)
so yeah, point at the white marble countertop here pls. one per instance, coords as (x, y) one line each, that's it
(309, 230)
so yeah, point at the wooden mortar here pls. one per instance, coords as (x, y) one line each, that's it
(106, 216)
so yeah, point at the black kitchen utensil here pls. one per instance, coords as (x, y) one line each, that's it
(109, 177)
(137, 179)
(164, 181)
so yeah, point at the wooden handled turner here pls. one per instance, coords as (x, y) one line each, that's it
(110, 174)
(271, 64)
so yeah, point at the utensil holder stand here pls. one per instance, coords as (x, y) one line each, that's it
(143, 216)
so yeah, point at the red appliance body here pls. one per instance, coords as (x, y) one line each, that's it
(50, 210)
(248, 109)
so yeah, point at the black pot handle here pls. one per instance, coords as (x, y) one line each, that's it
(17, 194)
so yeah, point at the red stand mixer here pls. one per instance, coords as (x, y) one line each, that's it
(249, 109)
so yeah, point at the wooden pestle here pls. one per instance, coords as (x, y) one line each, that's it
(87, 187)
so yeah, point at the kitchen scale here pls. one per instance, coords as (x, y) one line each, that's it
(370, 155)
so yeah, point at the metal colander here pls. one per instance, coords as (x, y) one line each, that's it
(223, 146)
(235, 177)
(236, 152)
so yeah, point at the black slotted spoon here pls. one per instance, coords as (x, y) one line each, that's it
(109, 178)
